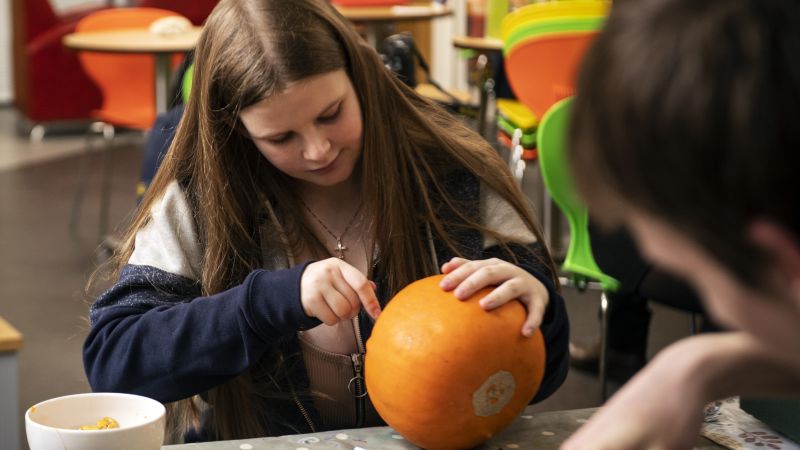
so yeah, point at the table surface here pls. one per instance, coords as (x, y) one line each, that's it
(393, 13)
(132, 40)
(478, 43)
(10, 338)
(545, 430)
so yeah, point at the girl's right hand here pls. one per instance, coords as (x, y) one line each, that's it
(332, 290)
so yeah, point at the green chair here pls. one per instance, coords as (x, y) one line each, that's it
(186, 83)
(579, 263)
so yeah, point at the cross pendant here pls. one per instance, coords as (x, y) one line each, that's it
(341, 248)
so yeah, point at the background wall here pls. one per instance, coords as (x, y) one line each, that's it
(6, 86)
(446, 67)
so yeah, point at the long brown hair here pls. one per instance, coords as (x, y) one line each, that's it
(251, 49)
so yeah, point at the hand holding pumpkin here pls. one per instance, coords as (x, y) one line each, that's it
(332, 290)
(513, 283)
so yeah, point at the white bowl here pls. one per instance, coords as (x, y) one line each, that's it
(53, 424)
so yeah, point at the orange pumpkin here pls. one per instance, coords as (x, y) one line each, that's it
(445, 373)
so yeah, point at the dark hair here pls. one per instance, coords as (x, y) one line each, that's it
(690, 111)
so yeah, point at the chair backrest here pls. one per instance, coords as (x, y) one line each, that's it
(195, 10)
(37, 17)
(127, 81)
(560, 184)
(543, 44)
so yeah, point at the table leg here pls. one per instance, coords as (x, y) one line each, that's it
(162, 77)
(486, 90)
(9, 406)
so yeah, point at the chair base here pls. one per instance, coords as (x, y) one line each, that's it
(37, 131)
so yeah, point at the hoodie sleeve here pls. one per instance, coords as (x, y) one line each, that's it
(154, 334)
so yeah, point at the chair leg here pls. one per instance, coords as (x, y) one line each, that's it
(105, 187)
(515, 152)
(37, 133)
(108, 133)
(519, 172)
(547, 218)
(603, 363)
(88, 162)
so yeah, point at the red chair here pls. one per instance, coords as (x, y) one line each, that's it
(49, 82)
(195, 10)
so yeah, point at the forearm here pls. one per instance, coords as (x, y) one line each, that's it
(141, 343)
(720, 365)
(662, 406)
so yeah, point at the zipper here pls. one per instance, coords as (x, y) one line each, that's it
(300, 406)
(359, 390)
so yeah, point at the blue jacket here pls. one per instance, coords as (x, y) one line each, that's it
(153, 333)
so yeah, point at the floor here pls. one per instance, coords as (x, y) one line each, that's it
(43, 269)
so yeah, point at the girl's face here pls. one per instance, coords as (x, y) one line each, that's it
(774, 319)
(312, 131)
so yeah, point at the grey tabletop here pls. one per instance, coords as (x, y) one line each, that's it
(543, 431)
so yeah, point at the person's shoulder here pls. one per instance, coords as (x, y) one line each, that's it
(172, 199)
(499, 215)
(169, 241)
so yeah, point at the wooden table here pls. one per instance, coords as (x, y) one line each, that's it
(139, 41)
(542, 431)
(373, 16)
(10, 343)
(479, 44)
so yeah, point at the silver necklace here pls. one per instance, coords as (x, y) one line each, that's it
(340, 247)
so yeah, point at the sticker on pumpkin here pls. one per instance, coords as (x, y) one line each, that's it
(494, 394)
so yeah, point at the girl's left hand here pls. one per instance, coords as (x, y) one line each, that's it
(513, 283)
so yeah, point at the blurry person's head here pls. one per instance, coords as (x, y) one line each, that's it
(685, 127)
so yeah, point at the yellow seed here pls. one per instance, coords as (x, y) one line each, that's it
(103, 424)
(112, 423)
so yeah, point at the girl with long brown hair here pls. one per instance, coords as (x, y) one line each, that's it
(305, 186)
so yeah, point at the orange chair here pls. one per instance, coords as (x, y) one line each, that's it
(127, 84)
(543, 44)
(125, 81)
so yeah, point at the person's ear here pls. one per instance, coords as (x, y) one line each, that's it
(784, 248)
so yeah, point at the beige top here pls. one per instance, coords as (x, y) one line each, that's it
(132, 40)
(10, 338)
